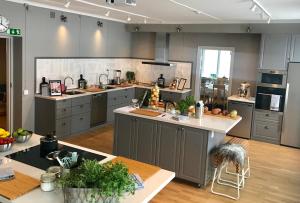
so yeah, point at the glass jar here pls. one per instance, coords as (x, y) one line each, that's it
(48, 182)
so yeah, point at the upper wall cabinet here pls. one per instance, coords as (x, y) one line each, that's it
(275, 51)
(295, 48)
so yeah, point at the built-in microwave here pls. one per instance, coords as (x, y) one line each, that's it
(269, 98)
(272, 78)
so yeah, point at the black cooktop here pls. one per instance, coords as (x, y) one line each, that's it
(32, 156)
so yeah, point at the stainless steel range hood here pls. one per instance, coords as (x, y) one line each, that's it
(161, 50)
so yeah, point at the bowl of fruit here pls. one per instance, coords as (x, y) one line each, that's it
(21, 135)
(6, 140)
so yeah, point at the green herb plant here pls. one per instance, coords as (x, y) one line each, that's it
(184, 105)
(106, 180)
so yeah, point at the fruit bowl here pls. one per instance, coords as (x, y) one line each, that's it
(5, 147)
(22, 135)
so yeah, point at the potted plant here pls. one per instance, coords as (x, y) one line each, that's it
(184, 106)
(130, 76)
(94, 182)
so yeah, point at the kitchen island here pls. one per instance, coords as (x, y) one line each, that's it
(179, 146)
(151, 186)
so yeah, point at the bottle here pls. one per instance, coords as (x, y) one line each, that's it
(199, 109)
(44, 87)
(161, 81)
(82, 82)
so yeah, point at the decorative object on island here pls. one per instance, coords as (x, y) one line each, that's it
(161, 81)
(55, 87)
(82, 83)
(199, 109)
(44, 87)
(181, 84)
(130, 76)
(21, 135)
(94, 182)
(48, 182)
(154, 97)
(187, 106)
(6, 141)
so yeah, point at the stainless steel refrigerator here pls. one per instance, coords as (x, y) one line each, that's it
(291, 120)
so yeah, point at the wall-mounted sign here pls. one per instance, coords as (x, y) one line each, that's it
(14, 31)
(4, 24)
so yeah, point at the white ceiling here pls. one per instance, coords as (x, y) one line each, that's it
(164, 11)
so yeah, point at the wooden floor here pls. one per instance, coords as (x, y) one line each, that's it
(275, 173)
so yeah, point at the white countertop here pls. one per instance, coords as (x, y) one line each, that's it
(242, 99)
(151, 186)
(64, 96)
(206, 122)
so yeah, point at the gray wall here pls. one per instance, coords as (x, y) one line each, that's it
(184, 46)
(46, 37)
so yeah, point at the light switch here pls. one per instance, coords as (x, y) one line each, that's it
(26, 92)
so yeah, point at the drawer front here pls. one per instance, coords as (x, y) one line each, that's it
(269, 130)
(63, 112)
(80, 122)
(263, 116)
(63, 127)
(82, 108)
(81, 100)
(63, 103)
(113, 98)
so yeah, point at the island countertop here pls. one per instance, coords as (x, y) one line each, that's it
(206, 122)
(151, 186)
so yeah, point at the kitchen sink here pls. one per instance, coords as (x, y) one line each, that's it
(110, 87)
(74, 92)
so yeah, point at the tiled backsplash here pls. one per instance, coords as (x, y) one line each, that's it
(91, 68)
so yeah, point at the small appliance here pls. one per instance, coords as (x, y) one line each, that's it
(117, 77)
(244, 90)
(272, 78)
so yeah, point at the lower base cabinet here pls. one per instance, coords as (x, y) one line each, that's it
(176, 148)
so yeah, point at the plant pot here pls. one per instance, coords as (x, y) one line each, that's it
(85, 195)
(185, 113)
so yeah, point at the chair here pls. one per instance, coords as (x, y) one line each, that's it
(231, 152)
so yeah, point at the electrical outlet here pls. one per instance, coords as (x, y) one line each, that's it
(26, 92)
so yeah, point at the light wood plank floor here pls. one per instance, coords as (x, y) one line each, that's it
(275, 173)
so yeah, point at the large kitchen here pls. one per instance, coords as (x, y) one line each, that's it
(149, 101)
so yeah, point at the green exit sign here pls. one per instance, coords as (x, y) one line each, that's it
(14, 31)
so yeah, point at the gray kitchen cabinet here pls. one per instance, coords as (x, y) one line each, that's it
(267, 127)
(168, 146)
(139, 92)
(173, 96)
(275, 51)
(117, 99)
(124, 136)
(244, 127)
(295, 48)
(192, 159)
(145, 140)
(62, 117)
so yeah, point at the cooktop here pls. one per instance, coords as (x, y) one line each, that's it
(32, 156)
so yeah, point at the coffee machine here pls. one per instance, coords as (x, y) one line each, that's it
(244, 90)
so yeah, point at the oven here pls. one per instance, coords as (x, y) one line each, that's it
(270, 98)
(272, 78)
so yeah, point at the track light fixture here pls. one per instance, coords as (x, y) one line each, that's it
(107, 13)
(67, 4)
(63, 18)
(256, 6)
(99, 23)
(178, 28)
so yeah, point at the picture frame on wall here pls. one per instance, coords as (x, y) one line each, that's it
(181, 84)
(55, 87)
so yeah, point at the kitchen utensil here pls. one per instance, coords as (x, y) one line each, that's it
(48, 182)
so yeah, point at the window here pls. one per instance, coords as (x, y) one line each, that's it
(215, 63)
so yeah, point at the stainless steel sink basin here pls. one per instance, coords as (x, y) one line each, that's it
(74, 92)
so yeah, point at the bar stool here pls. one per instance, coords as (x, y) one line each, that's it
(223, 155)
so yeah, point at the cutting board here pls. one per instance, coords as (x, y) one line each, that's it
(18, 186)
(145, 171)
(209, 113)
(146, 112)
(93, 89)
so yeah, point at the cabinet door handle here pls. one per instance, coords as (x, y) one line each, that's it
(65, 110)
(182, 129)
(126, 97)
(63, 124)
(267, 115)
(266, 127)
(81, 119)
(81, 106)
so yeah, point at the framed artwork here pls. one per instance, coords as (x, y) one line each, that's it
(55, 87)
(181, 84)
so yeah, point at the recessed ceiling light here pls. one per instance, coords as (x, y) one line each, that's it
(67, 5)
(107, 13)
(128, 18)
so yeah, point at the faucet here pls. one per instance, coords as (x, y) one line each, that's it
(168, 102)
(100, 83)
(68, 77)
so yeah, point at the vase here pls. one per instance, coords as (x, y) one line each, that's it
(86, 195)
